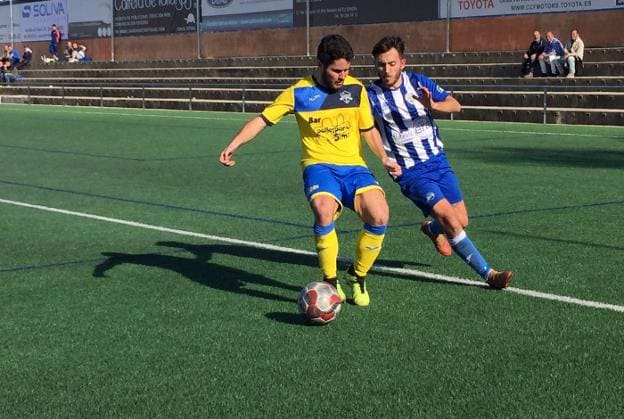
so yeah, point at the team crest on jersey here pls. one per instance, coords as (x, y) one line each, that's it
(345, 96)
(430, 196)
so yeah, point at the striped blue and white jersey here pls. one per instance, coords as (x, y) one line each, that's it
(410, 134)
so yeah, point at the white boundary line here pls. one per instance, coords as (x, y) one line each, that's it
(387, 269)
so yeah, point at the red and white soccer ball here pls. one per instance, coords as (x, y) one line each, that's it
(319, 302)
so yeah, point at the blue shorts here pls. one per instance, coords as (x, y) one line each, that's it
(428, 183)
(53, 49)
(341, 182)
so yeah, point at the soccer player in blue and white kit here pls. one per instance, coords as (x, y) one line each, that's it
(402, 102)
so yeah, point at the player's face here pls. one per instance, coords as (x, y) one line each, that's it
(389, 66)
(335, 74)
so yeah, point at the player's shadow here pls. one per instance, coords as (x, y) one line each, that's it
(200, 269)
(276, 256)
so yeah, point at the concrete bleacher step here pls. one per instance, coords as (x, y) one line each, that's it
(503, 98)
(563, 115)
(486, 83)
(513, 56)
(598, 69)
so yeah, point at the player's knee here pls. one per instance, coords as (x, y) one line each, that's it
(324, 211)
(379, 219)
(380, 216)
(450, 224)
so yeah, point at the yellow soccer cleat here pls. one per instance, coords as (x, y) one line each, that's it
(358, 287)
(334, 283)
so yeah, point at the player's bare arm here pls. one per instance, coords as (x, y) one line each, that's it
(248, 132)
(373, 139)
(449, 105)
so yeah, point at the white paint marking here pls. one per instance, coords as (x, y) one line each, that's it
(378, 268)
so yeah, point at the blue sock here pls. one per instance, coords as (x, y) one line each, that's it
(464, 248)
(435, 228)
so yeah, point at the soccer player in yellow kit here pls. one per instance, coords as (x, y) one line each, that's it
(333, 113)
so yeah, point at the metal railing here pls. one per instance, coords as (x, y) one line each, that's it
(63, 90)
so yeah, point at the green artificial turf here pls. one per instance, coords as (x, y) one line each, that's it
(104, 319)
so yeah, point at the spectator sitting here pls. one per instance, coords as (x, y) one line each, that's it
(26, 57)
(530, 58)
(13, 56)
(6, 76)
(70, 53)
(574, 51)
(553, 52)
(82, 54)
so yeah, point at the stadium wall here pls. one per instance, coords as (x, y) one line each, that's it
(598, 29)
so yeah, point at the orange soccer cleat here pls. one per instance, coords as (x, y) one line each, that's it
(439, 241)
(499, 280)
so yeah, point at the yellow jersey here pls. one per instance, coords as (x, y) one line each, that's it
(329, 122)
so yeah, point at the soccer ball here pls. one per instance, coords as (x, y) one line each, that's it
(319, 302)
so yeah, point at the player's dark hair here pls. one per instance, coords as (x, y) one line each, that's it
(332, 48)
(386, 43)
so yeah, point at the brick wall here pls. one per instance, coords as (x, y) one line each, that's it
(598, 29)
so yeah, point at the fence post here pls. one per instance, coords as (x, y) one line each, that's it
(101, 97)
(451, 112)
(190, 106)
(29, 95)
(198, 27)
(63, 93)
(243, 100)
(143, 97)
(545, 104)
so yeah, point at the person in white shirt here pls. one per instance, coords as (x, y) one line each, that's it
(573, 53)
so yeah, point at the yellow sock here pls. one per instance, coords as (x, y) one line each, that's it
(327, 249)
(367, 249)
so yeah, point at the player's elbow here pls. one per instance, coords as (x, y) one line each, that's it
(455, 105)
